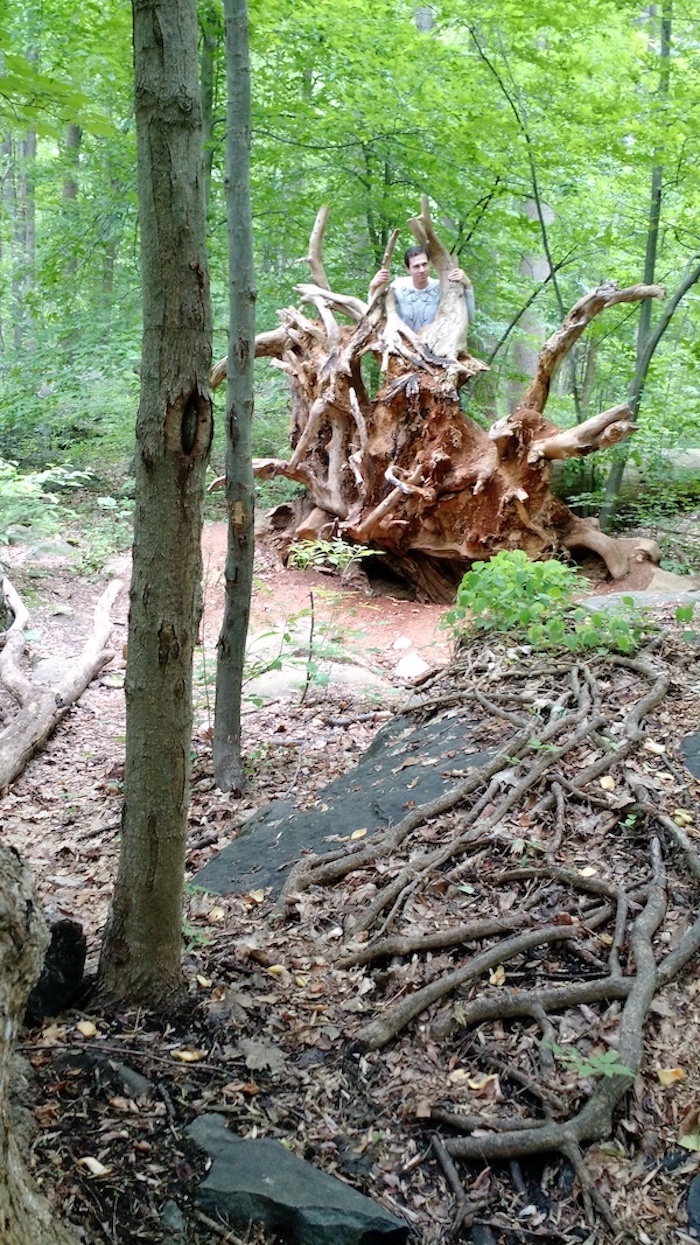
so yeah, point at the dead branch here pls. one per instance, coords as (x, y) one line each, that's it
(315, 256)
(43, 708)
(320, 296)
(17, 683)
(597, 433)
(578, 319)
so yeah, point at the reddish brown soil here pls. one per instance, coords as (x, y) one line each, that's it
(381, 618)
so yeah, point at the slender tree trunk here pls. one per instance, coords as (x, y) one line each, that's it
(20, 207)
(210, 22)
(72, 138)
(240, 488)
(141, 954)
(644, 333)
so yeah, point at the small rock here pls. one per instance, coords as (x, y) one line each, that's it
(690, 747)
(411, 666)
(172, 1217)
(482, 1235)
(136, 1085)
(402, 641)
(16, 533)
(259, 1181)
(52, 670)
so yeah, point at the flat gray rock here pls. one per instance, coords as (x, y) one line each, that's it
(406, 764)
(613, 600)
(690, 747)
(259, 1181)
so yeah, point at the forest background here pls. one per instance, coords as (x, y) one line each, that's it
(558, 143)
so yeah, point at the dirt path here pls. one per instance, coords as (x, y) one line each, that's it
(386, 626)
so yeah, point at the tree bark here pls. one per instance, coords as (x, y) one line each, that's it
(240, 484)
(210, 23)
(141, 954)
(25, 1214)
(645, 348)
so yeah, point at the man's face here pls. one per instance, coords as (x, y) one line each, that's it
(418, 266)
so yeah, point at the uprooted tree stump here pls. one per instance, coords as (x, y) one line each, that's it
(406, 471)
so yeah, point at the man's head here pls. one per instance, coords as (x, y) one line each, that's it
(417, 263)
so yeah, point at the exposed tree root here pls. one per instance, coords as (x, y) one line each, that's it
(452, 939)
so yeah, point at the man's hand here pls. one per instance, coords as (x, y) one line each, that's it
(378, 280)
(457, 274)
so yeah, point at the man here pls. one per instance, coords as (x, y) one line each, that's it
(418, 294)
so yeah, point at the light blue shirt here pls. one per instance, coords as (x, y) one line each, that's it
(419, 307)
(416, 307)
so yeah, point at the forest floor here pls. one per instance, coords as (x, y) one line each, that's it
(296, 1029)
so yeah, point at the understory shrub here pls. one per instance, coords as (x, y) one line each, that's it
(31, 498)
(535, 603)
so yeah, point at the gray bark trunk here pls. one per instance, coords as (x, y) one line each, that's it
(25, 1214)
(210, 22)
(645, 348)
(240, 491)
(141, 955)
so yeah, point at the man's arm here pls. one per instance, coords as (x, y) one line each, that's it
(378, 280)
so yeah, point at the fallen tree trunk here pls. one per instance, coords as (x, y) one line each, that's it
(405, 470)
(41, 708)
(25, 1214)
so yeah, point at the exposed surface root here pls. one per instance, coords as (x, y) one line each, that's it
(557, 956)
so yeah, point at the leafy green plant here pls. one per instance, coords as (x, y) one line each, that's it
(684, 614)
(306, 554)
(619, 630)
(31, 498)
(109, 531)
(535, 603)
(588, 1066)
(510, 593)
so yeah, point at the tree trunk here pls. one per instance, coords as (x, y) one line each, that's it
(141, 955)
(210, 22)
(644, 333)
(19, 203)
(72, 138)
(25, 1215)
(240, 489)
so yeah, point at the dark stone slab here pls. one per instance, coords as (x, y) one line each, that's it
(62, 974)
(694, 1206)
(405, 765)
(259, 1181)
(690, 747)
